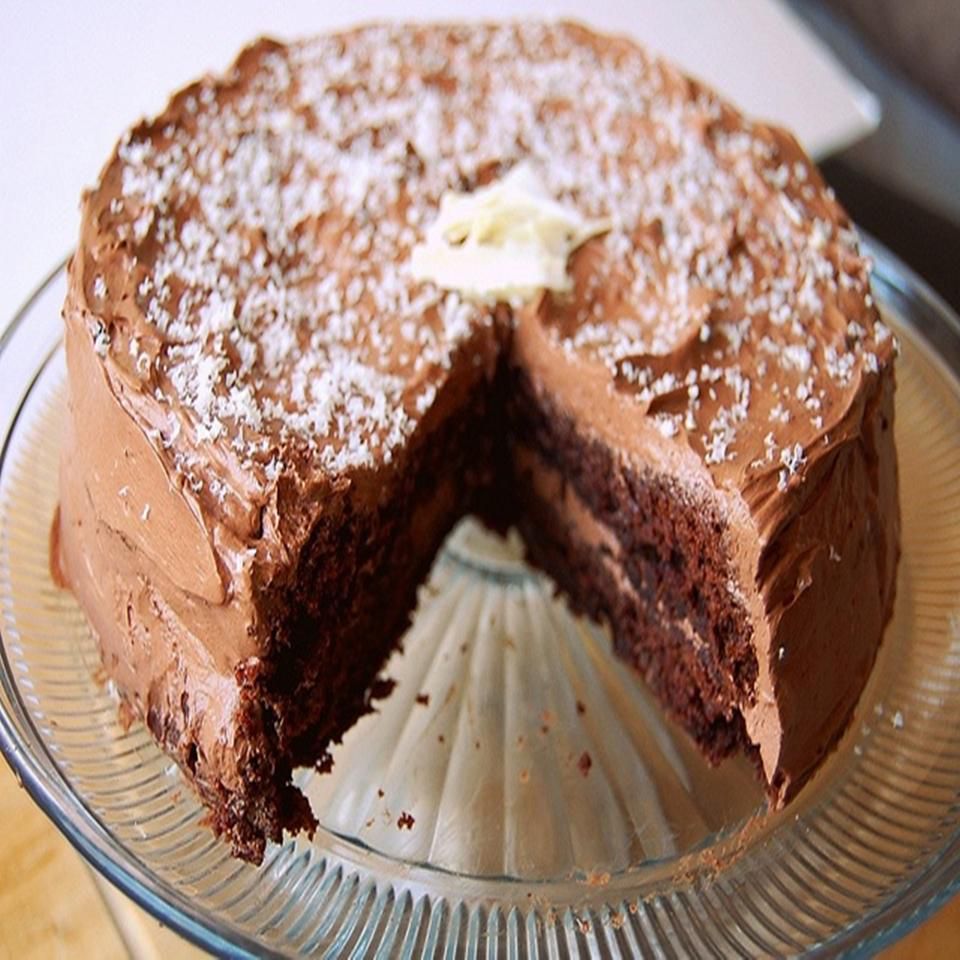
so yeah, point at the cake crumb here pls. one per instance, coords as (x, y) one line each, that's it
(423, 699)
(584, 763)
(126, 715)
(581, 707)
(380, 793)
(405, 821)
(381, 688)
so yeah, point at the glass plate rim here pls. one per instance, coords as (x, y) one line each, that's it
(49, 789)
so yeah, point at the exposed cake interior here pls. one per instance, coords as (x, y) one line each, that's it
(638, 552)
(354, 587)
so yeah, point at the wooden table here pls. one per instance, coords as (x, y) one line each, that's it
(53, 905)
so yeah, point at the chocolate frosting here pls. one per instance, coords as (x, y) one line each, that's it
(248, 351)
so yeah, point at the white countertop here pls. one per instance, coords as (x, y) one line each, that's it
(75, 75)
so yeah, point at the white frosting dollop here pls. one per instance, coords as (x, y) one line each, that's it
(506, 241)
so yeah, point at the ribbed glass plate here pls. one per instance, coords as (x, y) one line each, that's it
(519, 794)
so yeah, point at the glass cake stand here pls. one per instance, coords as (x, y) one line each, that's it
(519, 794)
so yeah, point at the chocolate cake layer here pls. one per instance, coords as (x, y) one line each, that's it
(272, 424)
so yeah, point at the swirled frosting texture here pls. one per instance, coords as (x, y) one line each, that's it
(256, 240)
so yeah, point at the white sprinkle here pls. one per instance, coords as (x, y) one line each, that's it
(856, 331)
(797, 357)
(667, 426)
(792, 458)
(779, 413)
(101, 339)
(273, 469)
(717, 448)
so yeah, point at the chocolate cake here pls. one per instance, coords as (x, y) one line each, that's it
(273, 424)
